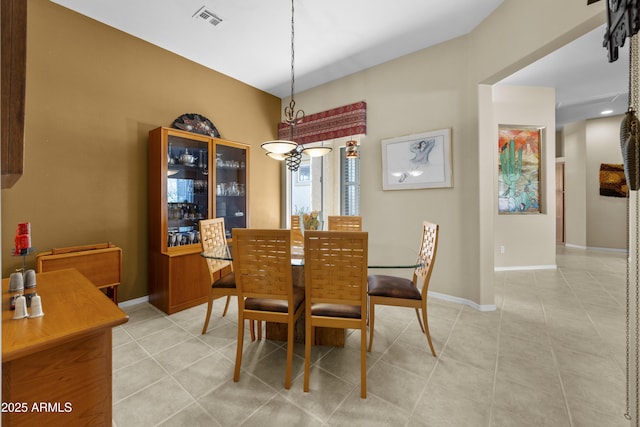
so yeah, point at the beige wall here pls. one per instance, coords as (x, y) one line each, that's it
(410, 95)
(529, 240)
(93, 93)
(593, 220)
(436, 88)
(575, 184)
(606, 216)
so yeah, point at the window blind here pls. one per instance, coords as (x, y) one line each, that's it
(349, 184)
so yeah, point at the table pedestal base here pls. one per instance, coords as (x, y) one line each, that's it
(323, 336)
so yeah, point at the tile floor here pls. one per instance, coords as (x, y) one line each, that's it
(551, 355)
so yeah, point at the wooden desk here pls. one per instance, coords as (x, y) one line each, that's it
(56, 369)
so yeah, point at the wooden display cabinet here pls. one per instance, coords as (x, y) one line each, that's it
(191, 177)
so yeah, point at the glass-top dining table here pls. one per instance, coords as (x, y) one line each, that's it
(380, 256)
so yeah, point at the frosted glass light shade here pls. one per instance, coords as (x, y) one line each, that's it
(279, 146)
(277, 156)
(317, 151)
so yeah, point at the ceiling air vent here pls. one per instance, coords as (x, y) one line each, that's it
(207, 15)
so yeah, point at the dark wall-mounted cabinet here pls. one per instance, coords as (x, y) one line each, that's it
(13, 65)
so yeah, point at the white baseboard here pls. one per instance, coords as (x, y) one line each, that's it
(571, 245)
(527, 267)
(134, 301)
(595, 248)
(458, 300)
(624, 251)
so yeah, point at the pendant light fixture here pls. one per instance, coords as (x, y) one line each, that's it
(289, 150)
(351, 149)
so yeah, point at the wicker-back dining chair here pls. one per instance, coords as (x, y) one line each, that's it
(297, 239)
(262, 261)
(335, 267)
(344, 223)
(213, 240)
(399, 291)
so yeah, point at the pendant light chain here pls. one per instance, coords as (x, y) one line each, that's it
(289, 150)
(633, 106)
(291, 115)
(634, 130)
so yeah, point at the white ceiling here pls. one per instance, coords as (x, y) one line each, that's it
(335, 38)
(586, 82)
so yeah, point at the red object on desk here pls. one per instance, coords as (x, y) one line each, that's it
(23, 238)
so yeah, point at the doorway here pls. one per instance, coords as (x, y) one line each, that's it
(560, 228)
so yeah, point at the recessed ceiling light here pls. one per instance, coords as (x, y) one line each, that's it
(605, 112)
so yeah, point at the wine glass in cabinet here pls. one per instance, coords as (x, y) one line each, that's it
(231, 186)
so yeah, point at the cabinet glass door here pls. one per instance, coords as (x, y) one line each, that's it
(231, 185)
(187, 189)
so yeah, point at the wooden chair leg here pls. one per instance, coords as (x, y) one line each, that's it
(371, 320)
(363, 360)
(226, 306)
(426, 328)
(307, 351)
(287, 380)
(236, 372)
(260, 330)
(209, 307)
(420, 320)
(253, 333)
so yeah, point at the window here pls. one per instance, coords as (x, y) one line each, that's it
(329, 184)
(349, 184)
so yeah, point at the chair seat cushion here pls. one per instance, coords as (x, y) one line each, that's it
(393, 287)
(277, 305)
(227, 281)
(336, 310)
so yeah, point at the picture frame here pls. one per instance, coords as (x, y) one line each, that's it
(519, 169)
(417, 161)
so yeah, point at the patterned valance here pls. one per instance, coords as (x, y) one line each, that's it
(335, 123)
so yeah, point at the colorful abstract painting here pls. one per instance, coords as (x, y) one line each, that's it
(612, 180)
(519, 169)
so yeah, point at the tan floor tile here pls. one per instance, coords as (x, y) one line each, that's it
(357, 412)
(271, 369)
(599, 392)
(584, 415)
(527, 403)
(205, 374)
(152, 405)
(232, 403)
(529, 417)
(444, 408)
(157, 342)
(489, 320)
(180, 355)
(395, 385)
(281, 412)
(127, 354)
(473, 346)
(556, 342)
(135, 377)
(146, 327)
(463, 380)
(192, 416)
(326, 392)
(579, 363)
